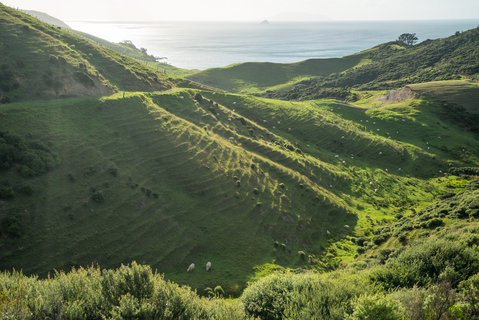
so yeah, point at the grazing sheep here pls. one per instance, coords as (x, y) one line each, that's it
(191, 268)
(208, 266)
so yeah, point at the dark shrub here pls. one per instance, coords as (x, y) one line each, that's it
(198, 97)
(433, 223)
(12, 227)
(113, 171)
(97, 197)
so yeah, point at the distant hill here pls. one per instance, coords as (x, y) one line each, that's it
(42, 16)
(253, 77)
(390, 65)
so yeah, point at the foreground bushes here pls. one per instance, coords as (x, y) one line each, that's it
(129, 292)
(435, 278)
(432, 279)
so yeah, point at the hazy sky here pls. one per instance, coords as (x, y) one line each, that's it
(253, 10)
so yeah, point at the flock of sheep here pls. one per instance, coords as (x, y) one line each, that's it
(192, 267)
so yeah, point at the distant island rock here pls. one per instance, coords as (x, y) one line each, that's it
(264, 22)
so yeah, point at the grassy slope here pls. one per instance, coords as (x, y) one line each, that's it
(137, 55)
(332, 161)
(197, 215)
(255, 77)
(311, 174)
(39, 60)
(388, 65)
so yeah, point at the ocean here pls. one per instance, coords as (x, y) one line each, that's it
(202, 45)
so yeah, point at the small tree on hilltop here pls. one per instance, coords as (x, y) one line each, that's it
(408, 38)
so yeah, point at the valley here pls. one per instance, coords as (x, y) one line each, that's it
(295, 176)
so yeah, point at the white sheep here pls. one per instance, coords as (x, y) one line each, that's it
(208, 266)
(191, 268)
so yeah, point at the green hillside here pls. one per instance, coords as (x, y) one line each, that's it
(386, 66)
(356, 207)
(253, 77)
(130, 50)
(173, 178)
(40, 61)
(424, 266)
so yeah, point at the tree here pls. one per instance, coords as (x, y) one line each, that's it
(408, 38)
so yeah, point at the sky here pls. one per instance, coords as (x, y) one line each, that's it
(252, 10)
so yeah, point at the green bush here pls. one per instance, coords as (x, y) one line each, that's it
(327, 296)
(469, 290)
(424, 261)
(375, 307)
(267, 298)
(129, 292)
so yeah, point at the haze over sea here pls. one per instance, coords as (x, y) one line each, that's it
(201, 45)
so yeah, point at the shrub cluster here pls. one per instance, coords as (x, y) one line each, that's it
(129, 292)
(30, 158)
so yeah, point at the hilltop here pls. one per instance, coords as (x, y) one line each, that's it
(42, 16)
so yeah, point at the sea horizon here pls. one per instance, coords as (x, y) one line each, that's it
(210, 44)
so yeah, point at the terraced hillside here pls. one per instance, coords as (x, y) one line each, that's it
(170, 176)
(194, 176)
